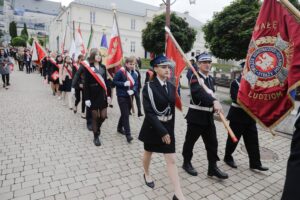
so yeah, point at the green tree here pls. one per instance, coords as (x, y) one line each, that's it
(13, 29)
(41, 41)
(296, 3)
(30, 41)
(18, 41)
(24, 32)
(153, 36)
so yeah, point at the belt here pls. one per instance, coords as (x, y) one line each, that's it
(207, 109)
(235, 105)
(164, 118)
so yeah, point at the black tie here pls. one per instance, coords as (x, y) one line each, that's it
(208, 83)
(165, 87)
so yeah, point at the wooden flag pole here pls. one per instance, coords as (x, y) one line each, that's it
(291, 8)
(201, 82)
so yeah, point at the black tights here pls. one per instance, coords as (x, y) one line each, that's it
(98, 117)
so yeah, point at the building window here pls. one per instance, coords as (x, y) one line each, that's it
(92, 17)
(132, 47)
(132, 24)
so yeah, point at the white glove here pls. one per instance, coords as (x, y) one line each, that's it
(127, 83)
(88, 103)
(108, 100)
(130, 92)
(73, 91)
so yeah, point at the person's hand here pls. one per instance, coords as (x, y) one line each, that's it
(81, 85)
(127, 83)
(218, 107)
(88, 103)
(130, 92)
(73, 91)
(166, 139)
(109, 100)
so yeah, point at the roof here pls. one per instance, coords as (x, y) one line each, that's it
(191, 20)
(125, 6)
(38, 6)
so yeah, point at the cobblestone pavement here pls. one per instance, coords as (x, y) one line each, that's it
(46, 152)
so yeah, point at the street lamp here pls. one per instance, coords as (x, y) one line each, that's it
(168, 9)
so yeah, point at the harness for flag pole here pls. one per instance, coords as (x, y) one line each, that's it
(201, 83)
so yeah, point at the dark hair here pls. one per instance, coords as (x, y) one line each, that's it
(80, 56)
(93, 55)
(56, 59)
(64, 62)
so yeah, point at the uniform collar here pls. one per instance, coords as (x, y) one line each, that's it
(203, 74)
(161, 81)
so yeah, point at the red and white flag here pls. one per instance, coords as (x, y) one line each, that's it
(80, 49)
(114, 54)
(38, 52)
(173, 54)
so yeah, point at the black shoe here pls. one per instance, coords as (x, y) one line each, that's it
(140, 115)
(215, 171)
(89, 127)
(129, 138)
(174, 197)
(149, 184)
(121, 131)
(231, 163)
(189, 169)
(260, 168)
(97, 141)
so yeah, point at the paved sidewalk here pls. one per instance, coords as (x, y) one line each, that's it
(46, 152)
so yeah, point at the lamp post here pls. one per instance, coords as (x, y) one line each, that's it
(168, 9)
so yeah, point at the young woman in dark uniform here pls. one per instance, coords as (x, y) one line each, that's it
(157, 131)
(95, 90)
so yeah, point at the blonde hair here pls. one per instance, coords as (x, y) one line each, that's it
(130, 59)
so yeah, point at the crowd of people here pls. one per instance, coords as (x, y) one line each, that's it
(88, 81)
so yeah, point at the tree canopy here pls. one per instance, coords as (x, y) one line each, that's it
(229, 33)
(153, 36)
(13, 29)
(18, 41)
(24, 32)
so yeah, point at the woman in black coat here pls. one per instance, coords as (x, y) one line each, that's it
(157, 131)
(95, 92)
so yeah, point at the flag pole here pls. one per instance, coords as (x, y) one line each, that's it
(291, 8)
(201, 82)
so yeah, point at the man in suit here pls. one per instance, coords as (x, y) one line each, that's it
(242, 124)
(200, 120)
(291, 188)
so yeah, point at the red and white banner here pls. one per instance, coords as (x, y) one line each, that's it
(128, 76)
(79, 44)
(173, 54)
(272, 66)
(114, 53)
(38, 52)
(97, 76)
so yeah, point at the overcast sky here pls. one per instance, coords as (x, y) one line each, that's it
(203, 9)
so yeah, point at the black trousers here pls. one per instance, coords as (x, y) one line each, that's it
(291, 187)
(250, 135)
(125, 106)
(209, 138)
(138, 101)
(21, 65)
(28, 68)
(5, 79)
(77, 99)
